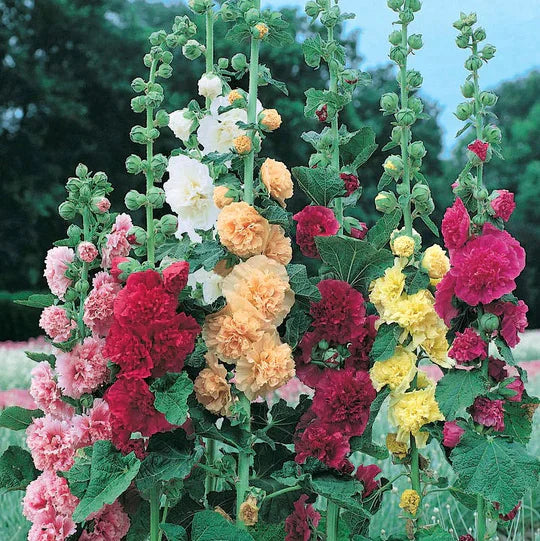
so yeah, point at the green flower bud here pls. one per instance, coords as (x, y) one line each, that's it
(162, 118)
(397, 132)
(239, 62)
(393, 166)
(488, 52)
(406, 16)
(489, 323)
(405, 117)
(416, 105)
(312, 9)
(138, 104)
(386, 202)
(489, 99)
(139, 234)
(81, 171)
(138, 135)
(323, 345)
(464, 110)
(330, 17)
(82, 286)
(479, 34)
(147, 59)
(468, 89)
(85, 192)
(134, 164)
(138, 84)
(159, 166)
(154, 99)
(470, 19)
(134, 200)
(252, 16)
(168, 224)
(67, 210)
(389, 102)
(167, 57)
(425, 207)
(398, 55)
(228, 14)
(415, 5)
(492, 134)
(421, 193)
(223, 63)
(157, 38)
(156, 197)
(417, 150)
(473, 63)
(414, 79)
(395, 4)
(481, 194)
(164, 71)
(395, 37)
(200, 6)
(415, 41)
(479, 220)
(462, 41)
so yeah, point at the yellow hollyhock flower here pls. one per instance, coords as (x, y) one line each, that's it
(396, 372)
(410, 500)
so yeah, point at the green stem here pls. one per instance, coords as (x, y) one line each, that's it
(163, 517)
(332, 521)
(282, 491)
(209, 54)
(155, 497)
(415, 458)
(244, 464)
(210, 481)
(478, 117)
(481, 518)
(84, 271)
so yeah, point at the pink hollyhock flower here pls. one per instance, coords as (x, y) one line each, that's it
(314, 221)
(117, 244)
(479, 148)
(175, 277)
(443, 298)
(350, 181)
(367, 475)
(99, 305)
(103, 205)
(83, 369)
(517, 386)
(496, 369)
(46, 392)
(55, 322)
(95, 425)
(514, 319)
(48, 494)
(111, 523)
(468, 346)
(340, 313)
(343, 398)
(503, 205)
(56, 265)
(485, 268)
(54, 528)
(455, 225)
(452, 433)
(359, 232)
(87, 252)
(488, 412)
(52, 443)
(300, 524)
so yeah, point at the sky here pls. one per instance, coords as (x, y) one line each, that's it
(512, 26)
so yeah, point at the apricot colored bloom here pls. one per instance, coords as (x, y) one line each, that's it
(249, 512)
(396, 372)
(397, 448)
(435, 262)
(403, 246)
(243, 144)
(242, 230)
(264, 284)
(411, 411)
(277, 179)
(268, 365)
(278, 247)
(220, 197)
(410, 500)
(270, 119)
(212, 388)
(233, 96)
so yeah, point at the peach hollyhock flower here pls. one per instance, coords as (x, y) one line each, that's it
(249, 512)
(231, 333)
(268, 366)
(212, 388)
(278, 247)
(243, 144)
(220, 197)
(242, 230)
(264, 284)
(270, 119)
(277, 179)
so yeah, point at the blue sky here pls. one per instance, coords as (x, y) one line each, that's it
(512, 26)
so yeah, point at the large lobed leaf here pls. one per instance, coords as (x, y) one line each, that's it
(172, 392)
(321, 185)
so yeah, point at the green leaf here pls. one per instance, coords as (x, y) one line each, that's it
(16, 469)
(38, 300)
(171, 392)
(505, 351)
(385, 342)
(300, 283)
(207, 255)
(499, 470)
(111, 474)
(457, 390)
(516, 422)
(266, 76)
(415, 279)
(296, 325)
(284, 418)
(433, 533)
(430, 224)
(317, 98)
(175, 249)
(16, 418)
(211, 526)
(384, 181)
(380, 233)
(276, 215)
(313, 50)
(174, 532)
(40, 357)
(359, 149)
(263, 531)
(78, 475)
(321, 185)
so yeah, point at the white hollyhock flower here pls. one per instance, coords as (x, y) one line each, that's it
(189, 192)
(180, 125)
(210, 86)
(210, 282)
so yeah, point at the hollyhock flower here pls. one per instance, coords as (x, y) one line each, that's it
(503, 204)
(87, 252)
(221, 199)
(83, 369)
(350, 182)
(497, 369)
(180, 124)
(212, 389)
(452, 433)
(46, 393)
(131, 404)
(359, 232)
(48, 494)
(277, 180)
(210, 86)
(487, 266)
(468, 346)
(435, 262)
(397, 448)
(479, 148)
(300, 524)
(189, 192)
(397, 372)
(309, 374)
(361, 344)
(55, 322)
(56, 265)
(270, 119)
(514, 319)
(175, 277)
(343, 398)
(99, 305)
(314, 221)
(455, 225)
(278, 246)
(467, 537)
(509, 516)
(249, 511)
(103, 205)
(367, 475)
(210, 282)
(117, 244)
(52, 443)
(110, 523)
(122, 440)
(443, 298)
(53, 528)
(488, 412)
(517, 386)
(409, 501)
(94, 425)
(322, 113)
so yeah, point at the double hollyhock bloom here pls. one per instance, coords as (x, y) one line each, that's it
(314, 221)
(302, 522)
(468, 346)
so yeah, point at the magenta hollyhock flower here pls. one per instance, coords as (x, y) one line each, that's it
(314, 221)
(175, 277)
(443, 298)
(496, 369)
(503, 204)
(468, 346)
(359, 232)
(479, 148)
(467, 537)
(452, 433)
(514, 319)
(455, 225)
(488, 412)
(367, 475)
(350, 181)
(517, 386)
(300, 524)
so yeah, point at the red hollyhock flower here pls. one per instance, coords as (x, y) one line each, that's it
(488, 412)
(443, 298)
(302, 521)
(314, 221)
(468, 346)
(466, 538)
(367, 475)
(361, 344)
(503, 205)
(509, 516)
(452, 433)
(132, 406)
(175, 277)
(479, 148)
(116, 271)
(514, 319)
(496, 369)
(517, 386)
(359, 232)
(343, 398)
(455, 225)
(322, 113)
(351, 182)
(122, 440)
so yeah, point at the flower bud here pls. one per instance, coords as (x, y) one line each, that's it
(134, 200)
(252, 16)
(239, 62)
(192, 49)
(417, 150)
(351, 76)
(138, 236)
(415, 5)
(269, 119)
(397, 132)
(157, 38)
(243, 145)
(395, 37)
(395, 4)
(492, 134)
(312, 9)
(389, 102)
(200, 6)
(481, 194)
(415, 41)
(421, 193)
(168, 224)
(462, 41)
(156, 197)
(464, 110)
(386, 202)
(138, 104)
(398, 54)
(322, 113)
(479, 220)
(227, 13)
(488, 52)
(489, 323)
(82, 286)
(162, 118)
(138, 84)
(405, 117)
(489, 99)
(425, 207)
(100, 205)
(167, 57)
(67, 210)
(479, 34)
(416, 105)
(393, 165)
(81, 171)
(468, 89)
(223, 63)
(414, 79)
(147, 60)
(473, 63)
(330, 17)
(165, 70)
(134, 164)
(406, 16)
(259, 31)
